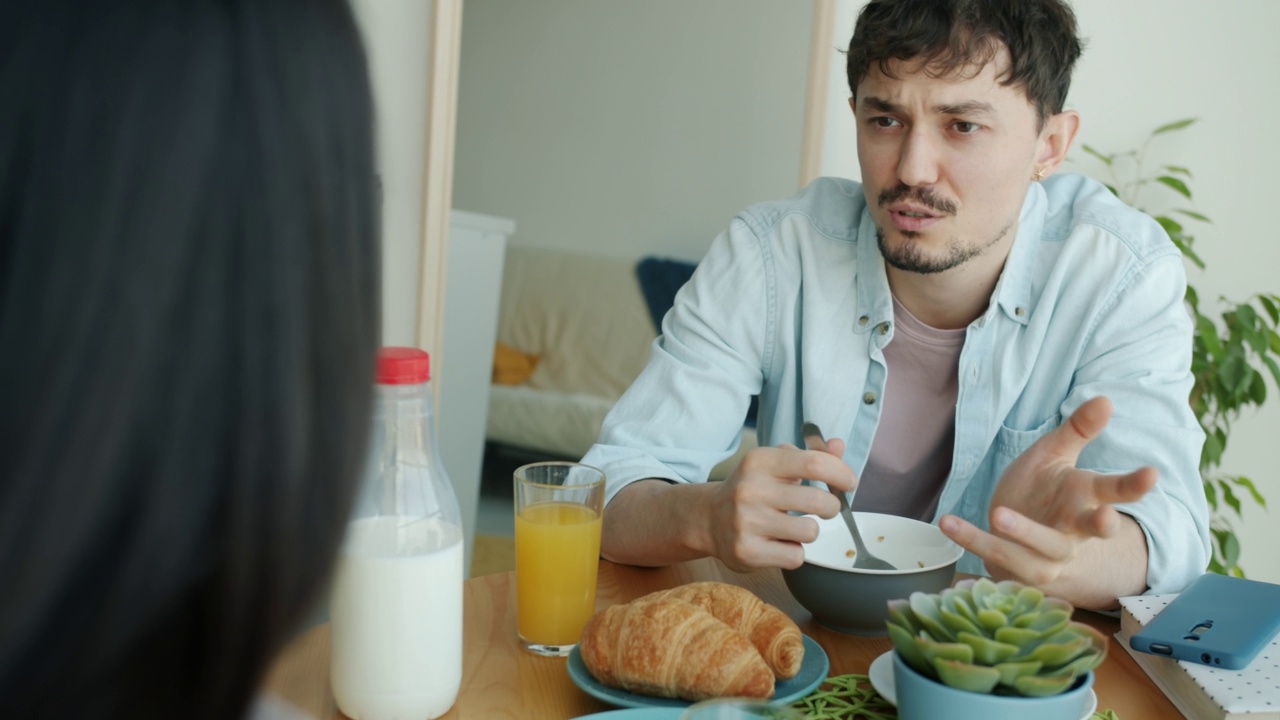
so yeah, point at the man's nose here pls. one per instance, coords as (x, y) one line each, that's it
(918, 162)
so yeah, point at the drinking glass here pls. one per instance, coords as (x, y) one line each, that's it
(559, 506)
(739, 709)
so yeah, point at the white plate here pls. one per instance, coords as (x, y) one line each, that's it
(881, 674)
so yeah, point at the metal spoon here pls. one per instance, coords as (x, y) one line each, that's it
(862, 559)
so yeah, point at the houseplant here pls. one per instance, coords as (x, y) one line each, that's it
(991, 650)
(1236, 343)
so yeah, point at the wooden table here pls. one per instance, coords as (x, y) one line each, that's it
(499, 680)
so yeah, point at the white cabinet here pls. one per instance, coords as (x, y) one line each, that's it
(473, 287)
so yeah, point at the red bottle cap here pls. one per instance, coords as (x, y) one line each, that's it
(403, 366)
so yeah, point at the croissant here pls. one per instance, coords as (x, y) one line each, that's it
(769, 629)
(672, 648)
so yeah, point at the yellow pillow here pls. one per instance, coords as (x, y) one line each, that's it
(511, 366)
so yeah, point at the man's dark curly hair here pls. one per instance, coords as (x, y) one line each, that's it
(948, 36)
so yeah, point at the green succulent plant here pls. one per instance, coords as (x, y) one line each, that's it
(1003, 638)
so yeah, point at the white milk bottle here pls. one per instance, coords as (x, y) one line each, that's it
(396, 606)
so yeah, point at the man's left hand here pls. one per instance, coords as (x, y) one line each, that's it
(1045, 509)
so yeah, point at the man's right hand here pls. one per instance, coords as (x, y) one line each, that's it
(744, 521)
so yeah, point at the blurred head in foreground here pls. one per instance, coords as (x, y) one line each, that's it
(188, 323)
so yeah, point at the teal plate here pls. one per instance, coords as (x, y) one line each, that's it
(812, 672)
(646, 713)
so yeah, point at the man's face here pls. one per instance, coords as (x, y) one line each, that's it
(945, 161)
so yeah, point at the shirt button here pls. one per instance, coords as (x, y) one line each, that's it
(884, 328)
(864, 320)
(1019, 311)
(869, 398)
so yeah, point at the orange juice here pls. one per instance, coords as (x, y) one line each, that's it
(557, 553)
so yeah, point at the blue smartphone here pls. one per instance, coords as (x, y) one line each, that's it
(1218, 621)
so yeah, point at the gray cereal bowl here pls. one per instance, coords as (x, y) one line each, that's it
(854, 601)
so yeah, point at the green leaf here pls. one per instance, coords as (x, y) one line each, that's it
(1215, 566)
(1171, 226)
(1190, 254)
(1113, 190)
(1178, 169)
(907, 646)
(1273, 367)
(1210, 456)
(1229, 497)
(1209, 333)
(1176, 125)
(1193, 297)
(987, 651)
(1247, 315)
(1011, 671)
(1257, 340)
(1247, 484)
(1258, 390)
(1231, 550)
(967, 677)
(1232, 372)
(1211, 493)
(1273, 311)
(1106, 159)
(1194, 215)
(1275, 342)
(1043, 685)
(1178, 186)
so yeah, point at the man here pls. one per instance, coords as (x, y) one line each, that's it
(998, 351)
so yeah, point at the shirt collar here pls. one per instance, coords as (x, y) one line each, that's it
(875, 301)
(1013, 290)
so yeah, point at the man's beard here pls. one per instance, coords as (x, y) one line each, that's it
(909, 256)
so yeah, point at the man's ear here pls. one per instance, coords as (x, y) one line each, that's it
(1055, 141)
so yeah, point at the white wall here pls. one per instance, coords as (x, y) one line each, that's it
(1149, 62)
(397, 38)
(628, 128)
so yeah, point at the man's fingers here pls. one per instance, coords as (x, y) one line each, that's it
(1124, 488)
(1016, 560)
(1043, 540)
(807, 499)
(1069, 438)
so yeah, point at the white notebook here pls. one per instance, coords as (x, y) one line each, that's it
(1200, 691)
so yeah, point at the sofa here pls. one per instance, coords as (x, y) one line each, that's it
(574, 330)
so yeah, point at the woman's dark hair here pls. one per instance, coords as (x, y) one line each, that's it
(188, 325)
(946, 36)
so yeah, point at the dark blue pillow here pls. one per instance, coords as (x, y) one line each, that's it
(660, 280)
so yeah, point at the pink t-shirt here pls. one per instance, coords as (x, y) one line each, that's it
(911, 452)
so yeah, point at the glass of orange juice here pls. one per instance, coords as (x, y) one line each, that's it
(559, 506)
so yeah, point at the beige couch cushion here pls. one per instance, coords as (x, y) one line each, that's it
(583, 316)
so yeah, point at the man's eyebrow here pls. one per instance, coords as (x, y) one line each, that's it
(876, 104)
(968, 107)
(971, 107)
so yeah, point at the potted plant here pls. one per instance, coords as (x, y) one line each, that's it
(993, 651)
(1235, 345)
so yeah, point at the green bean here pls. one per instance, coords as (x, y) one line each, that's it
(846, 697)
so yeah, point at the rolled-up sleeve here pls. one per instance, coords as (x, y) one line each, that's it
(685, 411)
(1139, 355)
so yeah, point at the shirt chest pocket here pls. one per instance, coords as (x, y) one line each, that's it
(1011, 442)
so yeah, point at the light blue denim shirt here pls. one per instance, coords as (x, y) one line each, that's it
(792, 303)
